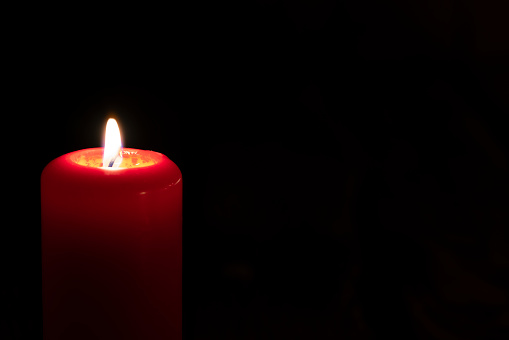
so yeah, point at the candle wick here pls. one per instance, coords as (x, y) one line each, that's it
(111, 162)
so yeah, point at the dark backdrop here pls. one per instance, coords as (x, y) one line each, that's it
(345, 163)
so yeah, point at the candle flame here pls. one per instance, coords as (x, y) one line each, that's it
(112, 157)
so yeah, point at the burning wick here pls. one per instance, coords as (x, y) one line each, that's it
(112, 145)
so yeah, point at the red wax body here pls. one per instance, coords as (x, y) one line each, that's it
(112, 248)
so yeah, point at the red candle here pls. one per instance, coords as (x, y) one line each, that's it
(112, 246)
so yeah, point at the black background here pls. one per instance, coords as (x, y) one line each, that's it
(345, 163)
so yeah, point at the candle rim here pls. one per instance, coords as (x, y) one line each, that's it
(71, 176)
(148, 158)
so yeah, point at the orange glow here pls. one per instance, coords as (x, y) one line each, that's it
(131, 158)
